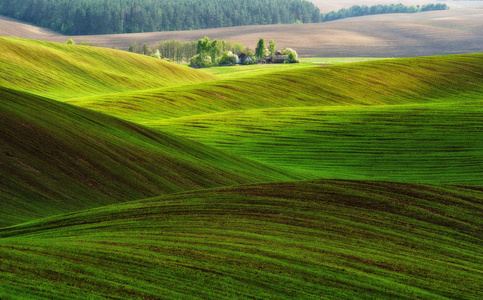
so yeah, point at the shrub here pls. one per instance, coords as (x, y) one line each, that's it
(157, 54)
(288, 51)
(228, 58)
(199, 61)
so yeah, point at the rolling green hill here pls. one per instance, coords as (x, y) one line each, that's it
(76, 220)
(434, 143)
(385, 82)
(63, 71)
(57, 158)
(411, 120)
(322, 239)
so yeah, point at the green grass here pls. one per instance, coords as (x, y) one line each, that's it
(231, 72)
(57, 158)
(437, 143)
(385, 82)
(238, 71)
(411, 120)
(63, 71)
(322, 239)
(336, 60)
(210, 233)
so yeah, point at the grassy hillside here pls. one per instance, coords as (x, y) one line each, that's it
(63, 71)
(56, 158)
(437, 143)
(331, 239)
(386, 82)
(411, 120)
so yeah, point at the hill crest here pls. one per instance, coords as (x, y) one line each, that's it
(61, 71)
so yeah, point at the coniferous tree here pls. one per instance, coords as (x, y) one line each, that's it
(76, 17)
(271, 47)
(260, 50)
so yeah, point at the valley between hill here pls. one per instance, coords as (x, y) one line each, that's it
(186, 185)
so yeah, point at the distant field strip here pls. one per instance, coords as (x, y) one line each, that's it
(324, 239)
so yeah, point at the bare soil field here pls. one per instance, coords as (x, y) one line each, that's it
(395, 35)
(13, 28)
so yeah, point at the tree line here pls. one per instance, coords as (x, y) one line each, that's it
(364, 10)
(207, 53)
(178, 51)
(84, 17)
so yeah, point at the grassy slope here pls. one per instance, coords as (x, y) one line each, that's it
(330, 239)
(412, 120)
(58, 158)
(389, 82)
(231, 72)
(63, 71)
(438, 143)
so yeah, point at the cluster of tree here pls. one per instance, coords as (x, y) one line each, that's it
(178, 51)
(76, 17)
(216, 53)
(219, 53)
(262, 52)
(363, 10)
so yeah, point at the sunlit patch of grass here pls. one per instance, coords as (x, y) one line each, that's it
(438, 142)
(238, 71)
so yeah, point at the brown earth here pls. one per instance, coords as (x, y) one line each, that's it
(394, 35)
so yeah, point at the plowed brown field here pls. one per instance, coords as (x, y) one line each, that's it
(395, 35)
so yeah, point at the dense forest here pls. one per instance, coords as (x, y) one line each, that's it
(82, 17)
(121, 16)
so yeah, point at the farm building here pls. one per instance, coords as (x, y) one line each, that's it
(278, 58)
(244, 59)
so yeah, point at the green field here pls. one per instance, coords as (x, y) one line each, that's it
(67, 158)
(259, 70)
(397, 120)
(437, 143)
(385, 82)
(61, 71)
(322, 239)
(126, 177)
